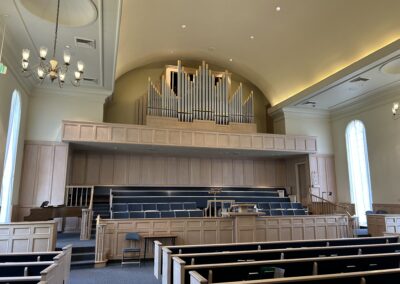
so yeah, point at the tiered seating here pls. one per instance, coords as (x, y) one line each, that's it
(281, 208)
(164, 202)
(296, 257)
(155, 210)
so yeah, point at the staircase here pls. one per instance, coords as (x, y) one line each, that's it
(83, 252)
(102, 209)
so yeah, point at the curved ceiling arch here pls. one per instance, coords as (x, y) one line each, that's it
(292, 49)
(244, 73)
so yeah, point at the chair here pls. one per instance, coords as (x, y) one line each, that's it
(120, 215)
(149, 206)
(286, 205)
(131, 237)
(195, 213)
(299, 212)
(276, 212)
(287, 212)
(296, 205)
(181, 213)
(176, 206)
(163, 207)
(264, 205)
(135, 207)
(152, 214)
(167, 214)
(136, 214)
(189, 205)
(120, 207)
(266, 211)
(275, 205)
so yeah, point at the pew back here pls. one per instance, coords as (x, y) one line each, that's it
(225, 272)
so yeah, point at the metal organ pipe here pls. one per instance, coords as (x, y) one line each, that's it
(201, 95)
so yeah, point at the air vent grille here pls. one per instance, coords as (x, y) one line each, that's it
(92, 80)
(359, 79)
(309, 103)
(85, 43)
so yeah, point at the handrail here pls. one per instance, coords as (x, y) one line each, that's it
(79, 196)
(323, 200)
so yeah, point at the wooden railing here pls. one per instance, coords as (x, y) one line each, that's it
(82, 196)
(320, 206)
(79, 196)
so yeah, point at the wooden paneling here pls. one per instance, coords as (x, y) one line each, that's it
(379, 224)
(27, 237)
(75, 131)
(105, 168)
(193, 231)
(44, 174)
(322, 171)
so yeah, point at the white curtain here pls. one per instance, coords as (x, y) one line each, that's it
(10, 158)
(357, 159)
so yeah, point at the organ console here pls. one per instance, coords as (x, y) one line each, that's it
(51, 212)
(200, 95)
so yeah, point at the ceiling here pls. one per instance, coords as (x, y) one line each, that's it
(293, 49)
(30, 24)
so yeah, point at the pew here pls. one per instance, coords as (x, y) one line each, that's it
(385, 276)
(163, 254)
(290, 253)
(47, 267)
(231, 272)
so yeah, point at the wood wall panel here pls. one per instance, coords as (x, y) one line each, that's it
(100, 168)
(44, 174)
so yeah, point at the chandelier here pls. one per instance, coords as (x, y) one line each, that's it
(51, 68)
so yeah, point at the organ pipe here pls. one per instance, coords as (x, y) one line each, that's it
(201, 96)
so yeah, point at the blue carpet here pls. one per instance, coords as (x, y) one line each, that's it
(115, 274)
(64, 239)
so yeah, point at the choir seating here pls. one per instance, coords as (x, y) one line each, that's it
(237, 272)
(152, 202)
(168, 252)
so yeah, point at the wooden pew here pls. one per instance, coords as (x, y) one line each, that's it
(54, 271)
(163, 254)
(225, 272)
(364, 277)
(290, 253)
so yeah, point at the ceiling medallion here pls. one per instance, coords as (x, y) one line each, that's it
(51, 68)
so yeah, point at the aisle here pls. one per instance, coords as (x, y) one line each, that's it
(115, 274)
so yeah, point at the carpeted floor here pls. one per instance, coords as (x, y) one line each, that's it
(64, 239)
(115, 274)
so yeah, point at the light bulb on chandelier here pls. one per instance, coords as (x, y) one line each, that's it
(52, 69)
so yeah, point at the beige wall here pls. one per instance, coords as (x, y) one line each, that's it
(383, 139)
(132, 85)
(48, 109)
(112, 168)
(310, 122)
(9, 83)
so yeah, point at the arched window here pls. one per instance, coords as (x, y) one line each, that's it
(10, 158)
(357, 159)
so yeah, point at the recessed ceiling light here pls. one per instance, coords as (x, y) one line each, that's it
(171, 52)
(183, 26)
(230, 59)
(278, 8)
(251, 37)
(67, 46)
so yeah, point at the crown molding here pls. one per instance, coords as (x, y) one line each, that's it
(90, 94)
(306, 112)
(368, 102)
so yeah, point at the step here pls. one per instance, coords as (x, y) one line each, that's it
(79, 250)
(82, 264)
(82, 256)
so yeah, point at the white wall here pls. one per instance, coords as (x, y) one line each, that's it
(307, 122)
(383, 139)
(48, 108)
(9, 83)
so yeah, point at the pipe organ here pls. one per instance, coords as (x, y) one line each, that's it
(200, 95)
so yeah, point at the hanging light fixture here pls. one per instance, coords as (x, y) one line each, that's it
(3, 67)
(51, 68)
